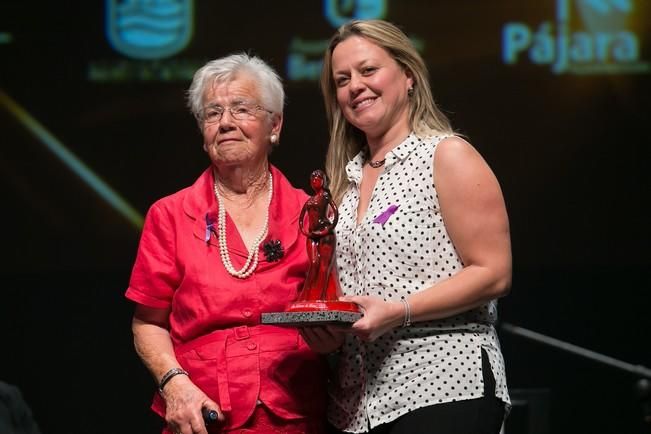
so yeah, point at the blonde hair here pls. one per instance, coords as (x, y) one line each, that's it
(425, 118)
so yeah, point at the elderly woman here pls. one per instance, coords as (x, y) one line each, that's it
(423, 248)
(215, 255)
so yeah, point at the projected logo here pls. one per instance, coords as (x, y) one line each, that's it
(304, 58)
(588, 37)
(149, 29)
(339, 12)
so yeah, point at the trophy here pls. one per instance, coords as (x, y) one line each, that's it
(318, 301)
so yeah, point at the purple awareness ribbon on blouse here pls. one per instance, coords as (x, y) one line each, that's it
(384, 216)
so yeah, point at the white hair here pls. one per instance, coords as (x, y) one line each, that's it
(220, 70)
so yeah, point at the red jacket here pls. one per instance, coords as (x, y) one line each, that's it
(215, 317)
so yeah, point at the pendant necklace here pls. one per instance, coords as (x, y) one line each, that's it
(252, 258)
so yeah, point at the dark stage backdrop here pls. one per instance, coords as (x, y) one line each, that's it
(93, 128)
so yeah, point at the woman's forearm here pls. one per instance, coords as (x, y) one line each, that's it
(153, 343)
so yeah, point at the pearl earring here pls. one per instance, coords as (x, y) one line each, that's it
(274, 138)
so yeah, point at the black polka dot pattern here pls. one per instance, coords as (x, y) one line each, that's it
(430, 362)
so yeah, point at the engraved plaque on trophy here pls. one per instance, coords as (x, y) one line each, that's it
(318, 301)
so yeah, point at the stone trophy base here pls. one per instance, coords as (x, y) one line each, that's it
(314, 313)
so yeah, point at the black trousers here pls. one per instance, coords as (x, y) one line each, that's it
(473, 416)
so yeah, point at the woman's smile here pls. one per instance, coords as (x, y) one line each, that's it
(360, 104)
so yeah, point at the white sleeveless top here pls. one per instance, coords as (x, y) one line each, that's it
(391, 255)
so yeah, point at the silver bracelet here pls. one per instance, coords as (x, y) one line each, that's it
(406, 322)
(168, 376)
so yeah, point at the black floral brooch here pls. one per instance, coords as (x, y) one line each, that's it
(273, 250)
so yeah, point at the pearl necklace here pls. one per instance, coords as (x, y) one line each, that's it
(252, 259)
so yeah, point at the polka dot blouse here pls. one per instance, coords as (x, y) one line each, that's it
(401, 247)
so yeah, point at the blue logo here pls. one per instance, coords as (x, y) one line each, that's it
(605, 15)
(149, 29)
(339, 12)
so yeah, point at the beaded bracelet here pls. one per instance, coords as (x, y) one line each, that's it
(168, 376)
(406, 322)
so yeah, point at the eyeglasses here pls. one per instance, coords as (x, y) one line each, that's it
(240, 111)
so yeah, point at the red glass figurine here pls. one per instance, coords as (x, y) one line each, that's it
(321, 290)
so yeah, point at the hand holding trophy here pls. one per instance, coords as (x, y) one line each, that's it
(318, 301)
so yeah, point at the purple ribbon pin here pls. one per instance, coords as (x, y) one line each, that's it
(384, 216)
(210, 224)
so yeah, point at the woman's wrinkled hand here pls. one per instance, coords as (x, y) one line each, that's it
(323, 339)
(184, 402)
